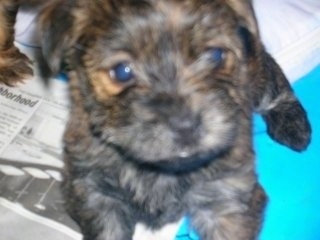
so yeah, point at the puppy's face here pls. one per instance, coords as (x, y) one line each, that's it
(163, 81)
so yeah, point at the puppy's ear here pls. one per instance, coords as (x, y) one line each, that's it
(57, 36)
(286, 119)
(273, 98)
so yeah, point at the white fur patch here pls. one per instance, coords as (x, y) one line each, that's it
(168, 232)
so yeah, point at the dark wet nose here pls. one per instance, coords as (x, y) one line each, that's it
(186, 127)
(182, 120)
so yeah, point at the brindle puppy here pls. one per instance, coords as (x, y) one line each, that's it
(14, 66)
(161, 123)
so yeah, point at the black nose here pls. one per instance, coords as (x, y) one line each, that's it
(186, 127)
(184, 123)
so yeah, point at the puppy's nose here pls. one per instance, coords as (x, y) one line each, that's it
(185, 128)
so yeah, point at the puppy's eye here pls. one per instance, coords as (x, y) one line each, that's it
(216, 55)
(122, 72)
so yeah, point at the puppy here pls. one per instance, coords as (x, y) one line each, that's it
(161, 122)
(14, 65)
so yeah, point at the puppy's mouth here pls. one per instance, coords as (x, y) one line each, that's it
(184, 162)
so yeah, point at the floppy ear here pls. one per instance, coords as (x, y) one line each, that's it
(274, 99)
(56, 33)
(272, 95)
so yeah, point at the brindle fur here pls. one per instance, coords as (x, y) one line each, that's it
(14, 65)
(178, 140)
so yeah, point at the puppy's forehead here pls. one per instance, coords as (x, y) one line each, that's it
(178, 13)
(175, 13)
(200, 20)
(151, 29)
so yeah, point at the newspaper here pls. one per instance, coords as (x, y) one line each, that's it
(32, 122)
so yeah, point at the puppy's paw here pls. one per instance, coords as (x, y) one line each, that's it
(14, 66)
(288, 124)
